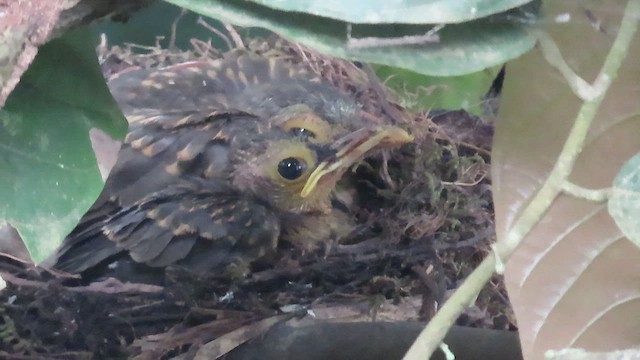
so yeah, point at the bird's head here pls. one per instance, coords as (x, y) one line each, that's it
(298, 137)
(296, 163)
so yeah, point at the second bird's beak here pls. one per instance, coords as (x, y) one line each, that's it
(351, 148)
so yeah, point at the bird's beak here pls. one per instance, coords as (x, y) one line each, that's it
(351, 148)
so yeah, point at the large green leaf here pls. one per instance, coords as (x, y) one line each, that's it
(399, 11)
(48, 172)
(461, 49)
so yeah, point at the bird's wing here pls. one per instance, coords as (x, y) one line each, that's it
(188, 218)
(158, 153)
(180, 120)
(161, 149)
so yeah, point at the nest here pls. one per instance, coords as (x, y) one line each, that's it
(427, 221)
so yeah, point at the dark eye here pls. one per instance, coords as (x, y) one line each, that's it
(291, 168)
(302, 132)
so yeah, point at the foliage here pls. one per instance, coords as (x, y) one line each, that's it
(558, 142)
(48, 172)
(567, 127)
(571, 274)
(426, 48)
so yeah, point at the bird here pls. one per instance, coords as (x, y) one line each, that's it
(224, 159)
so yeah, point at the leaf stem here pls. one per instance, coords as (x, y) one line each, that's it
(430, 338)
(552, 54)
(597, 195)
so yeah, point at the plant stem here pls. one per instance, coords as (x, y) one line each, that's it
(597, 195)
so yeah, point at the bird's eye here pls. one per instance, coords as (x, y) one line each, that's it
(291, 168)
(297, 131)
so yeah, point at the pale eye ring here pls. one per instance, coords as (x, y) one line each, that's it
(297, 131)
(292, 168)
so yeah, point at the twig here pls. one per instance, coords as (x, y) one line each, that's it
(482, 236)
(235, 36)
(174, 29)
(384, 171)
(220, 34)
(61, 355)
(380, 91)
(203, 48)
(10, 278)
(108, 286)
(463, 184)
(115, 286)
(15, 258)
(306, 59)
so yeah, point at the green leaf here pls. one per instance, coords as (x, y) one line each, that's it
(461, 49)
(624, 204)
(48, 172)
(421, 92)
(399, 11)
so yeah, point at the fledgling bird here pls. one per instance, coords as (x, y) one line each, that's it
(223, 159)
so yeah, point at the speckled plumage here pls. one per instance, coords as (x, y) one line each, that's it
(198, 183)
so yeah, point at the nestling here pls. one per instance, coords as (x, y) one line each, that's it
(223, 160)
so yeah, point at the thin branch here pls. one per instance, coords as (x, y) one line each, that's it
(237, 39)
(220, 34)
(396, 115)
(597, 195)
(174, 29)
(552, 54)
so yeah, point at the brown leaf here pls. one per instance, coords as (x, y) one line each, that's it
(574, 281)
